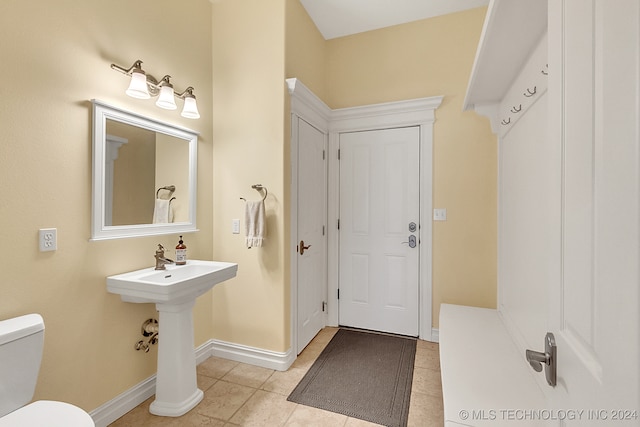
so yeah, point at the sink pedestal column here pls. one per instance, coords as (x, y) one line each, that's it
(176, 386)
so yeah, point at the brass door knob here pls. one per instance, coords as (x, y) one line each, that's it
(303, 247)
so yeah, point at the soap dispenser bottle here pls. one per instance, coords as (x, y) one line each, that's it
(181, 253)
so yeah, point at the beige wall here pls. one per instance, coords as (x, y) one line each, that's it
(306, 51)
(434, 57)
(56, 57)
(237, 55)
(248, 123)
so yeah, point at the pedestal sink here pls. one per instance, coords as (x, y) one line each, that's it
(174, 292)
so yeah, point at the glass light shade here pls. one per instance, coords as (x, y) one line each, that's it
(190, 109)
(138, 86)
(165, 100)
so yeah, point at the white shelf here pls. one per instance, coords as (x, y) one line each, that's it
(512, 30)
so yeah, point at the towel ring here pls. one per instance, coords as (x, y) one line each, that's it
(169, 188)
(258, 188)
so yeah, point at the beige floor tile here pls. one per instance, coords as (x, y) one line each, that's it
(216, 367)
(190, 419)
(249, 375)
(223, 399)
(425, 411)
(325, 335)
(427, 357)
(138, 416)
(234, 401)
(284, 382)
(264, 409)
(427, 381)
(205, 382)
(428, 345)
(306, 416)
(141, 417)
(309, 355)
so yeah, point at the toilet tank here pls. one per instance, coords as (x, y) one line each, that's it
(21, 343)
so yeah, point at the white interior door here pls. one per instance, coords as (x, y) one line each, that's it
(312, 214)
(594, 81)
(379, 202)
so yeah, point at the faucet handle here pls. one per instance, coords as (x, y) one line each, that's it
(160, 251)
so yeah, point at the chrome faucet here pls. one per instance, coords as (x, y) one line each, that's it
(161, 260)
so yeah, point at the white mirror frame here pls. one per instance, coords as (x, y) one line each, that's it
(99, 229)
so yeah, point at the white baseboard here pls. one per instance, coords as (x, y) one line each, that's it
(435, 335)
(125, 402)
(253, 356)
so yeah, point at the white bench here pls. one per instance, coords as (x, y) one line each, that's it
(486, 381)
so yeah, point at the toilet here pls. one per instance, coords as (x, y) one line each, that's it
(21, 345)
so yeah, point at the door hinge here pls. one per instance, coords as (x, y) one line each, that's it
(338, 154)
(324, 305)
(323, 230)
(338, 293)
(323, 154)
(338, 223)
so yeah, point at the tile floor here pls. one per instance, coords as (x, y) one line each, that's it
(236, 394)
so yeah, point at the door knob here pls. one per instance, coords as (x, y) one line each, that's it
(412, 241)
(303, 247)
(537, 358)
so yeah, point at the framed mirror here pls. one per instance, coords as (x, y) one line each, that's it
(144, 175)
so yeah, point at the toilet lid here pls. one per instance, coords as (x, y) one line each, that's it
(47, 413)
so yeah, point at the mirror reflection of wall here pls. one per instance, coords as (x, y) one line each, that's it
(172, 167)
(146, 162)
(133, 175)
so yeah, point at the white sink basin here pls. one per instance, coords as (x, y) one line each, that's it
(174, 292)
(175, 284)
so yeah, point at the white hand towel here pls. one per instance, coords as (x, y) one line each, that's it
(162, 212)
(255, 223)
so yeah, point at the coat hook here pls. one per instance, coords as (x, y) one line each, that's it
(506, 122)
(517, 110)
(546, 73)
(529, 94)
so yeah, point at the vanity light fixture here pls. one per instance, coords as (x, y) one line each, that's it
(165, 100)
(144, 86)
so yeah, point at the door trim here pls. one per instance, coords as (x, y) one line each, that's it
(307, 106)
(415, 112)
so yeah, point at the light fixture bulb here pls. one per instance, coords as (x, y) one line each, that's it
(165, 100)
(138, 86)
(190, 109)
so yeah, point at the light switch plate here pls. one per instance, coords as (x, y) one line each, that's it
(439, 214)
(235, 226)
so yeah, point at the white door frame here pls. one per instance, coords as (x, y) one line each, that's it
(308, 107)
(416, 112)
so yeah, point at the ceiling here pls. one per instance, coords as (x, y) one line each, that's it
(338, 18)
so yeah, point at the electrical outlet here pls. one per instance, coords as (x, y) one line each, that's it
(48, 239)
(235, 226)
